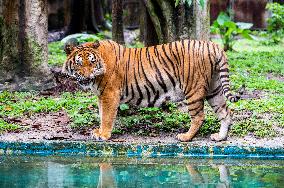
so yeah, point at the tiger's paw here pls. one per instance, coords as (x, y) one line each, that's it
(183, 137)
(105, 136)
(216, 137)
(96, 134)
(100, 136)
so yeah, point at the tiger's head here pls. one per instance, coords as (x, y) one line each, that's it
(84, 62)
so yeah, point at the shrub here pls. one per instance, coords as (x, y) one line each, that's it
(275, 24)
(228, 29)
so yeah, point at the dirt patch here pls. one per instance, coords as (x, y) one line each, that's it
(255, 94)
(43, 126)
(271, 76)
(63, 84)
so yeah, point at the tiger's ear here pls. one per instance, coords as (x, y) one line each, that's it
(70, 45)
(96, 44)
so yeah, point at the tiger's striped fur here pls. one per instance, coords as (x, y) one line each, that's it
(188, 69)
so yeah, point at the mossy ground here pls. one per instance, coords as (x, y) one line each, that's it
(260, 113)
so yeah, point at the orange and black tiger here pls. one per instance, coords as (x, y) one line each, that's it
(187, 70)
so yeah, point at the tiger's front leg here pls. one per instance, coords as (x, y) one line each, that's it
(108, 105)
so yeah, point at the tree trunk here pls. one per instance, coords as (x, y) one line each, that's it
(99, 15)
(117, 21)
(77, 18)
(131, 10)
(23, 47)
(86, 16)
(175, 23)
(147, 30)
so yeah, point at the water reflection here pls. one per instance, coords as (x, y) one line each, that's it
(54, 172)
(109, 176)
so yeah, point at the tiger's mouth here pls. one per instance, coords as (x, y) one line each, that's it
(85, 81)
(80, 79)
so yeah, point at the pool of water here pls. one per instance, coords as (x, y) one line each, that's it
(59, 171)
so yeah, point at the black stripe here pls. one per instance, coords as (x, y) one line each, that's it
(177, 50)
(224, 70)
(224, 63)
(148, 57)
(132, 94)
(210, 59)
(224, 76)
(189, 63)
(214, 93)
(148, 94)
(171, 62)
(158, 56)
(147, 80)
(161, 83)
(157, 96)
(201, 109)
(126, 72)
(176, 60)
(171, 78)
(194, 101)
(139, 63)
(138, 89)
(219, 107)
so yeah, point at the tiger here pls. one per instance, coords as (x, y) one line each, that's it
(188, 70)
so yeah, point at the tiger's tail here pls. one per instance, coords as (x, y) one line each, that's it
(225, 82)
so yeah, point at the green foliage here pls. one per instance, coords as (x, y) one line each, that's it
(91, 38)
(123, 107)
(56, 54)
(275, 24)
(259, 127)
(5, 126)
(136, 45)
(228, 29)
(252, 68)
(81, 107)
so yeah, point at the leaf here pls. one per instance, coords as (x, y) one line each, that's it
(123, 107)
(231, 25)
(8, 108)
(177, 3)
(189, 2)
(246, 34)
(201, 2)
(244, 25)
(222, 18)
(215, 28)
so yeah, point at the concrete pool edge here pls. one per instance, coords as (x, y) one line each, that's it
(88, 148)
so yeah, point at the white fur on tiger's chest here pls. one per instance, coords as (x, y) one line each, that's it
(91, 86)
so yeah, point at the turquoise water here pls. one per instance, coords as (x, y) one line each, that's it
(56, 171)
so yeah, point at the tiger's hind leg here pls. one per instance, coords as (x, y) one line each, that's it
(218, 103)
(196, 111)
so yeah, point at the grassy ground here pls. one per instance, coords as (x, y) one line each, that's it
(261, 113)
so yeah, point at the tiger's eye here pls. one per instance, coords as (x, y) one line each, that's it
(92, 58)
(78, 60)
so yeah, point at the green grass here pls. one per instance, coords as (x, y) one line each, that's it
(56, 54)
(5, 126)
(251, 64)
